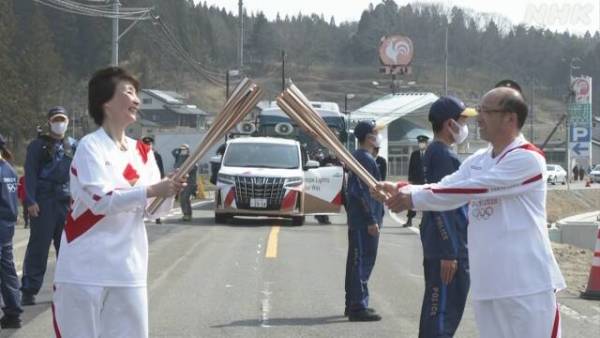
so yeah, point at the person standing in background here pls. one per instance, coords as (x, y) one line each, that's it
(415, 172)
(9, 283)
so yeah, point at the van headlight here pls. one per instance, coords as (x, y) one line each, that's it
(226, 179)
(293, 181)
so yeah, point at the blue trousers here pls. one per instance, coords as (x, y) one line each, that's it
(45, 229)
(443, 305)
(362, 252)
(9, 282)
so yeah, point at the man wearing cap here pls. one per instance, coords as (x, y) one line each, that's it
(365, 216)
(181, 154)
(514, 275)
(47, 166)
(444, 233)
(415, 171)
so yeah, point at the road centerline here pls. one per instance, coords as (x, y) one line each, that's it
(272, 243)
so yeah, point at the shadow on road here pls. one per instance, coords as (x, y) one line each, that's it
(272, 322)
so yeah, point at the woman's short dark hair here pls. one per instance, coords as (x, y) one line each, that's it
(515, 104)
(101, 89)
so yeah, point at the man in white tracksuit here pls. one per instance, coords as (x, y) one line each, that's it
(514, 275)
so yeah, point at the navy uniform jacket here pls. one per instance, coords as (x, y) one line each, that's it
(8, 201)
(363, 210)
(415, 168)
(443, 234)
(47, 169)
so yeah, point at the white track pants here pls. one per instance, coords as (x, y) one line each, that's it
(532, 316)
(82, 311)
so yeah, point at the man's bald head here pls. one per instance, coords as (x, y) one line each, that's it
(508, 100)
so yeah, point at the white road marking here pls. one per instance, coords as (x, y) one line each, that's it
(567, 311)
(265, 305)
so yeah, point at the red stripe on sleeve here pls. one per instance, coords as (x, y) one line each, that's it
(467, 191)
(533, 179)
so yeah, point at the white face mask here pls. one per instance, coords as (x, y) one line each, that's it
(463, 132)
(58, 128)
(377, 141)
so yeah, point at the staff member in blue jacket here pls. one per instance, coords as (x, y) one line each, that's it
(47, 197)
(9, 283)
(444, 234)
(365, 216)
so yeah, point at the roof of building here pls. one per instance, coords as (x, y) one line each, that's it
(173, 102)
(393, 106)
(165, 96)
(185, 109)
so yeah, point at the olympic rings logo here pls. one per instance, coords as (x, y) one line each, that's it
(483, 213)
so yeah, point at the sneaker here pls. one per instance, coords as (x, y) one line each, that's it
(364, 316)
(158, 221)
(347, 311)
(186, 218)
(10, 322)
(27, 299)
(408, 223)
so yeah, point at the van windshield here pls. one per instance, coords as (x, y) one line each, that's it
(262, 155)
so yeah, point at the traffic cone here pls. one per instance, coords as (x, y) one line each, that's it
(593, 287)
(200, 193)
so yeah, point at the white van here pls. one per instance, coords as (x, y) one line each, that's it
(269, 176)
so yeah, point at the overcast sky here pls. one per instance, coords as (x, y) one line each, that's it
(572, 15)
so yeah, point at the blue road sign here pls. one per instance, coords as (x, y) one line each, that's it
(579, 148)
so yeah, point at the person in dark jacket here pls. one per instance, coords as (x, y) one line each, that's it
(47, 173)
(181, 154)
(381, 164)
(9, 283)
(149, 140)
(415, 171)
(444, 234)
(365, 217)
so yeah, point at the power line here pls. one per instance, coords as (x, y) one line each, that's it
(180, 54)
(104, 11)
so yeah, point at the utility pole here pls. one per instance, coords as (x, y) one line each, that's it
(241, 46)
(446, 61)
(283, 70)
(227, 85)
(531, 117)
(115, 34)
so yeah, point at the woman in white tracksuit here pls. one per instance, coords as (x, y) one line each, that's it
(101, 272)
(514, 275)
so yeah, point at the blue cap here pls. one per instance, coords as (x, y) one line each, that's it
(58, 110)
(449, 107)
(363, 128)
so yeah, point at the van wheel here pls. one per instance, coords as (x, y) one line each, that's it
(298, 221)
(221, 219)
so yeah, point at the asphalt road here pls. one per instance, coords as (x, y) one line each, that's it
(265, 278)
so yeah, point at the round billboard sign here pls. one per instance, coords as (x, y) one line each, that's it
(396, 50)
